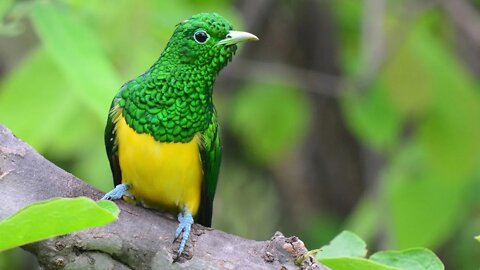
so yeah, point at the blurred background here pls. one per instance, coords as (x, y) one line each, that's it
(358, 115)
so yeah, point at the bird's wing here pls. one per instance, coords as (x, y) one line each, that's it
(111, 138)
(211, 154)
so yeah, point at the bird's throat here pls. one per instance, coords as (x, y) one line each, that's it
(170, 109)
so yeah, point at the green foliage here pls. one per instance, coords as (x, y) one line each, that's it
(347, 251)
(4, 6)
(40, 107)
(430, 166)
(11, 26)
(269, 118)
(464, 246)
(352, 263)
(54, 217)
(373, 117)
(411, 259)
(421, 198)
(348, 16)
(346, 244)
(93, 82)
(446, 130)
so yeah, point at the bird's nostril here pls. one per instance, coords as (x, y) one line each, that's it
(229, 36)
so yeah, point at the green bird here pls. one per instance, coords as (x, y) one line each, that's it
(162, 135)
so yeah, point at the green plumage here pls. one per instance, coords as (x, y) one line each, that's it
(172, 101)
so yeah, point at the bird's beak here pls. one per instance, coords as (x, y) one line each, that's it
(234, 37)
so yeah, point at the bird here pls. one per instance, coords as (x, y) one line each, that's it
(162, 133)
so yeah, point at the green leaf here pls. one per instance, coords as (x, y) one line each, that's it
(4, 6)
(109, 206)
(441, 156)
(348, 17)
(450, 128)
(269, 118)
(349, 263)
(416, 195)
(77, 51)
(35, 105)
(409, 259)
(372, 117)
(33, 102)
(346, 244)
(421, 216)
(477, 238)
(54, 217)
(347, 252)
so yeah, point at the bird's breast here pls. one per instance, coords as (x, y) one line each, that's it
(164, 175)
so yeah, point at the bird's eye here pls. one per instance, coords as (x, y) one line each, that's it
(201, 36)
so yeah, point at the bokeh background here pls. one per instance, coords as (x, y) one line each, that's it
(347, 114)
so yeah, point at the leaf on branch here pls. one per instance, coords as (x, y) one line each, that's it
(411, 259)
(346, 244)
(354, 263)
(58, 216)
(347, 251)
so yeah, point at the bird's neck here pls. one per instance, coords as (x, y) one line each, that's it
(171, 104)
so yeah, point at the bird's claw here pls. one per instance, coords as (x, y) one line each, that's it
(183, 229)
(118, 192)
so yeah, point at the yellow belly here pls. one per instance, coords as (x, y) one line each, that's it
(161, 175)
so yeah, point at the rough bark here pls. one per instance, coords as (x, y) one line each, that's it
(140, 239)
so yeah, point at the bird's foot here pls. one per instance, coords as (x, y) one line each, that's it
(186, 220)
(118, 192)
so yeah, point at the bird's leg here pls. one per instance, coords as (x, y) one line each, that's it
(118, 192)
(186, 220)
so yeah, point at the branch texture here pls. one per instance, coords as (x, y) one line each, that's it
(140, 239)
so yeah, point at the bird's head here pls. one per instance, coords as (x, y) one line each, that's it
(204, 41)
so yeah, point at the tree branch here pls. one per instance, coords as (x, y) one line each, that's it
(140, 239)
